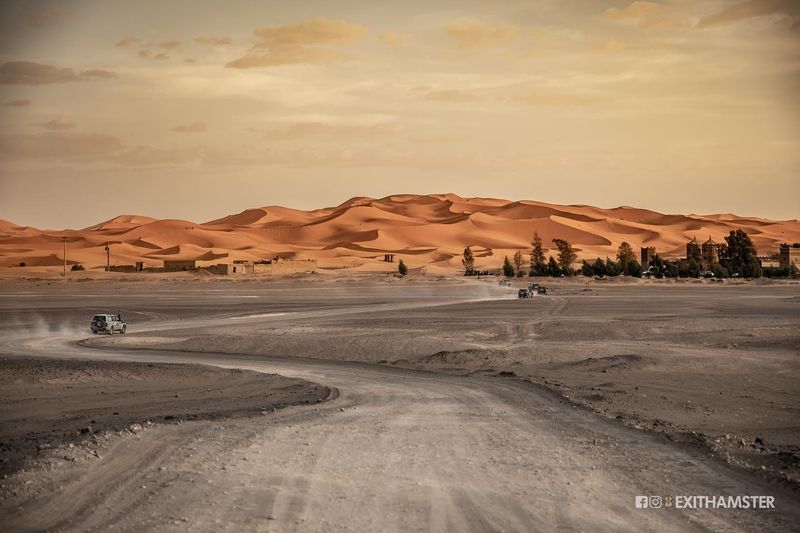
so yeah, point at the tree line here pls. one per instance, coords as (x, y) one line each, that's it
(737, 257)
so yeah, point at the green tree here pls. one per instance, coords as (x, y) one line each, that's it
(634, 269)
(587, 269)
(671, 269)
(612, 269)
(538, 261)
(566, 256)
(626, 259)
(553, 270)
(720, 271)
(508, 268)
(689, 268)
(402, 268)
(468, 260)
(657, 266)
(599, 267)
(518, 262)
(740, 255)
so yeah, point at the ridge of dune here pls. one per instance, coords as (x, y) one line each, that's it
(429, 229)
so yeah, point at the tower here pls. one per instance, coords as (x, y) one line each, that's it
(693, 250)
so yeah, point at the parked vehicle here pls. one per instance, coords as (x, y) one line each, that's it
(505, 282)
(523, 293)
(108, 324)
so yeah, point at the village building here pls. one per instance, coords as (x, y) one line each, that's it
(179, 265)
(710, 253)
(276, 265)
(693, 249)
(648, 254)
(789, 255)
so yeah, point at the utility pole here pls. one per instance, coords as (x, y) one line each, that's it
(65, 256)
(108, 257)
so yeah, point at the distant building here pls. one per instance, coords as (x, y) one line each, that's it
(219, 269)
(789, 254)
(769, 261)
(648, 254)
(242, 267)
(276, 265)
(693, 250)
(710, 253)
(175, 265)
(122, 268)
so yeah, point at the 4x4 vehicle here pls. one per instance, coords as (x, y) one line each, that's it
(505, 282)
(108, 324)
(523, 293)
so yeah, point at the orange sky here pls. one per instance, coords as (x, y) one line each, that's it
(191, 109)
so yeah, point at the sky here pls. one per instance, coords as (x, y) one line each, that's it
(196, 109)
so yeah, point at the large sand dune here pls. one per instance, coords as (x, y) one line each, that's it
(426, 231)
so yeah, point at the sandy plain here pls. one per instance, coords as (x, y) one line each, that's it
(459, 406)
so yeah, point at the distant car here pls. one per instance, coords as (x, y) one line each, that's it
(533, 286)
(523, 293)
(541, 290)
(108, 324)
(505, 282)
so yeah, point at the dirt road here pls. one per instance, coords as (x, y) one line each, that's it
(398, 450)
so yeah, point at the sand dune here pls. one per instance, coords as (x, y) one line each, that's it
(429, 231)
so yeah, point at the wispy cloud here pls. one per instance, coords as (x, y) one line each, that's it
(451, 95)
(47, 16)
(312, 41)
(59, 145)
(647, 15)
(552, 98)
(17, 103)
(55, 124)
(392, 39)
(298, 130)
(752, 9)
(170, 44)
(193, 127)
(128, 40)
(479, 34)
(213, 41)
(30, 73)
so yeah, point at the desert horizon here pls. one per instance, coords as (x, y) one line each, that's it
(425, 266)
(427, 231)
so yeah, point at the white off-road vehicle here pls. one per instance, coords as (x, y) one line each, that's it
(108, 324)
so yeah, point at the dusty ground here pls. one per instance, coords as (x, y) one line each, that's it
(48, 403)
(720, 360)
